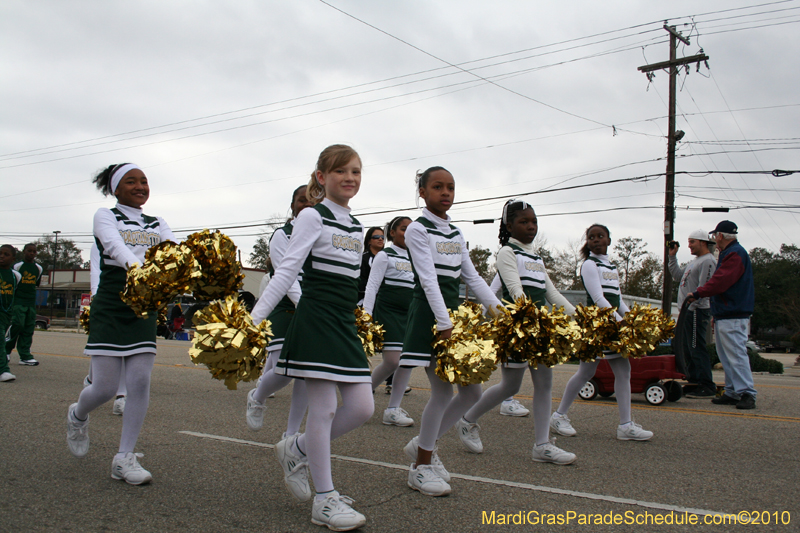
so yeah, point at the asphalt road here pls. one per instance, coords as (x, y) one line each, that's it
(212, 474)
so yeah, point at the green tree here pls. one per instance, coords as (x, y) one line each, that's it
(565, 268)
(69, 255)
(259, 257)
(480, 258)
(776, 277)
(629, 255)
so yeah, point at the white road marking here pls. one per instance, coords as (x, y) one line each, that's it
(501, 482)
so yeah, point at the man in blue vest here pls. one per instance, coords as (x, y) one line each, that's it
(732, 295)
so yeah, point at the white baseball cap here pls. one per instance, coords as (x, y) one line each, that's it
(700, 235)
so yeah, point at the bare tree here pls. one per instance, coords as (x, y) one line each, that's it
(259, 257)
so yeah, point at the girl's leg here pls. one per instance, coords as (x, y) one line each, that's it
(622, 387)
(105, 381)
(270, 382)
(391, 359)
(297, 410)
(315, 443)
(509, 385)
(270, 364)
(137, 379)
(542, 378)
(357, 407)
(401, 378)
(123, 386)
(467, 397)
(431, 421)
(576, 382)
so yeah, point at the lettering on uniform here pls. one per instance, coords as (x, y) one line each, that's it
(534, 266)
(403, 266)
(347, 243)
(6, 288)
(28, 279)
(610, 275)
(448, 248)
(140, 237)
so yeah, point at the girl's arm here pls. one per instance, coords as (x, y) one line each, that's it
(508, 271)
(420, 253)
(591, 280)
(277, 250)
(166, 231)
(379, 264)
(306, 231)
(105, 230)
(555, 297)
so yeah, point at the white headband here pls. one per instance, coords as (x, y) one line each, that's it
(525, 205)
(118, 174)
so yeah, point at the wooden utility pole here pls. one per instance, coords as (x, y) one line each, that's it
(669, 197)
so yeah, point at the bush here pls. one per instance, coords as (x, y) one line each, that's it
(757, 363)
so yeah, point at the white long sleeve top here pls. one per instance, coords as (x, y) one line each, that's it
(277, 250)
(420, 252)
(307, 229)
(591, 280)
(127, 246)
(507, 269)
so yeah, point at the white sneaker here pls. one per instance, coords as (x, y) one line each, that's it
(86, 382)
(411, 450)
(271, 395)
(255, 412)
(469, 435)
(425, 479)
(513, 408)
(633, 431)
(7, 376)
(128, 468)
(295, 469)
(28, 362)
(397, 417)
(119, 406)
(335, 513)
(561, 425)
(77, 433)
(550, 453)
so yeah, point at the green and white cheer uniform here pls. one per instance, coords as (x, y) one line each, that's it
(122, 235)
(601, 281)
(439, 257)
(389, 292)
(283, 313)
(321, 341)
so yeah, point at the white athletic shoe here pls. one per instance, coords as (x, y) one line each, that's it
(255, 412)
(397, 417)
(411, 451)
(561, 425)
(295, 469)
(119, 406)
(86, 382)
(77, 433)
(513, 408)
(633, 431)
(469, 435)
(425, 479)
(550, 453)
(335, 513)
(7, 376)
(28, 362)
(128, 468)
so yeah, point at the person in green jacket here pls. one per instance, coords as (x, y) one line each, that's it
(23, 314)
(9, 281)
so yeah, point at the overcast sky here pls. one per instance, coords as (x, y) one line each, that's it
(226, 106)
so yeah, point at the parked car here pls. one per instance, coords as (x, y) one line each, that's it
(751, 345)
(42, 322)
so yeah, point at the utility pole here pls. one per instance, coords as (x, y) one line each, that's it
(672, 138)
(53, 276)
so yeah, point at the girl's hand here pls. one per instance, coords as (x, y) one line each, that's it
(446, 333)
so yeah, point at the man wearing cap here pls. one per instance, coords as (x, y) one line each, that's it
(732, 300)
(695, 325)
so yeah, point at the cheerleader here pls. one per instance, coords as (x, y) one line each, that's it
(440, 257)
(270, 382)
(523, 275)
(601, 281)
(388, 293)
(122, 234)
(322, 344)
(9, 280)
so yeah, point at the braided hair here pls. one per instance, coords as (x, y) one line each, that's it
(511, 209)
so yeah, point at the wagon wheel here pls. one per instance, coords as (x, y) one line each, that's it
(655, 394)
(674, 391)
(589, 390)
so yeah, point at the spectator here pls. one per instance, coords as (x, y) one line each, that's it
(373, 243)
(23, 320)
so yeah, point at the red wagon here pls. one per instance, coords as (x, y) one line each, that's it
(654, 375)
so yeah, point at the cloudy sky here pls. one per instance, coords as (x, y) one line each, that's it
(226, 105)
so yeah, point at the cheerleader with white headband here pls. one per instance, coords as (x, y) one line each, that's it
(122, 234)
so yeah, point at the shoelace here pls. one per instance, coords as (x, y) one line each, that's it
(131, 461)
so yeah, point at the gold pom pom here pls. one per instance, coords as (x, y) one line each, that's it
(370, 333)
(221, 271)
(84, 319)
(599, 330)
(644, 328)
(228, 343)
(539, 335)
(168, 271)
(467, 357)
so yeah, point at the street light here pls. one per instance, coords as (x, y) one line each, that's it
(53, 276)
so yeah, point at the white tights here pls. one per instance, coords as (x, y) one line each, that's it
(399, 384)
(542, 378)
(105, 382)
(443, 409)
(391, 359)
(622, 386)
(327, 422)
(271, 382)
(121, 390)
